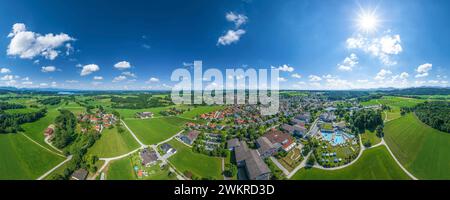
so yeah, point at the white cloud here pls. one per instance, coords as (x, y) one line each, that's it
(119, 78)
(122, 65)
(89, 69)
(28, 44)
(281, 79)
(238, 19)
(404, 75)
(382, 74)
(27, 83)
(98, 77)
(381, 47)
(230, 37)
(71, 81)
(348, 63)
(7, 78)
(423, 70)
(433, 82)
(153, 80)
(129, 74)
(285, 68)
(314, 78)
(46, 69)
(5, 71)
(295, 75)
(362, 81)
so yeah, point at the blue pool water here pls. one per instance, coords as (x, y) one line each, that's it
(337, 138)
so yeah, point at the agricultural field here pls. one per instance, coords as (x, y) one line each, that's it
(112, 143)
(198, 164)
(35, 130)
(121, 170)
(195, 111)
(152, 131)
(395, 103)
(23, 159)
(375, 164)
(424, 151)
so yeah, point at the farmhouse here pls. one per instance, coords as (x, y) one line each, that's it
(144, 115)
(49, 131)
(80, 174)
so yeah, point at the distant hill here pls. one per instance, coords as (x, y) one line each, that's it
(419, 91)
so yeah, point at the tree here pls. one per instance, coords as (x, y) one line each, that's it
(311, 161)
(379, 131)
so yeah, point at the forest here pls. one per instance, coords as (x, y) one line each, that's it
(435, 114)
(140, 101)
(10, 122)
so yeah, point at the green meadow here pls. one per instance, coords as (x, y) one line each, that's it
(424, 151)
(112, 143)
(375, 164)
(23, 159)
(152, 131)
(198, 164)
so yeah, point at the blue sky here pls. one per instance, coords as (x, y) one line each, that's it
(111, 44)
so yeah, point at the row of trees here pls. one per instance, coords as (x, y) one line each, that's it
(51, 101)
(10, 122)
(139, 102)
(6, 106)
(436, 114)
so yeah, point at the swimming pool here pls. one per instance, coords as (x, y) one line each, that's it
(336, 138)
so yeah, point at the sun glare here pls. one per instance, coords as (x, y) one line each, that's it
(368, 22)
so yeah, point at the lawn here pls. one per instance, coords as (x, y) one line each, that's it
(152, 131)
(199, 164)
(112, 143)
(374, 164)
(370, 136)
(395, 103)
(424, 151)
(123, 170)
(23, 159)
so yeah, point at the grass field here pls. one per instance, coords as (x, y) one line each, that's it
(395, 103)
(200, 110)
(374, 164)
(152, 131)
(23, 159)
(121, 170)
(370, 136)
(35, 130)
(424, 151)
(199, 164)
(113, 143)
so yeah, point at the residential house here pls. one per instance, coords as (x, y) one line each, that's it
(288, 128)
(168, 149)
(79, 174)
(306, 117)
(149, 157)
(144, 115)
(232, 143)
(265, 147)
(190, 137)
(284, 140)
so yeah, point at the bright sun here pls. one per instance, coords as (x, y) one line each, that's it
(368, 22)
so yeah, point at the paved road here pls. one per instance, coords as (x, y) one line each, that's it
(279, 165)
(54, 168)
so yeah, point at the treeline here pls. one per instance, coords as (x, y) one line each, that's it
(51, 101)
(10, 122)
(140, 101)
(435, 114)
(65, 125)
(369, 97)
(73, 144)
(6, 106)
(365, 119)
(342, 95)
